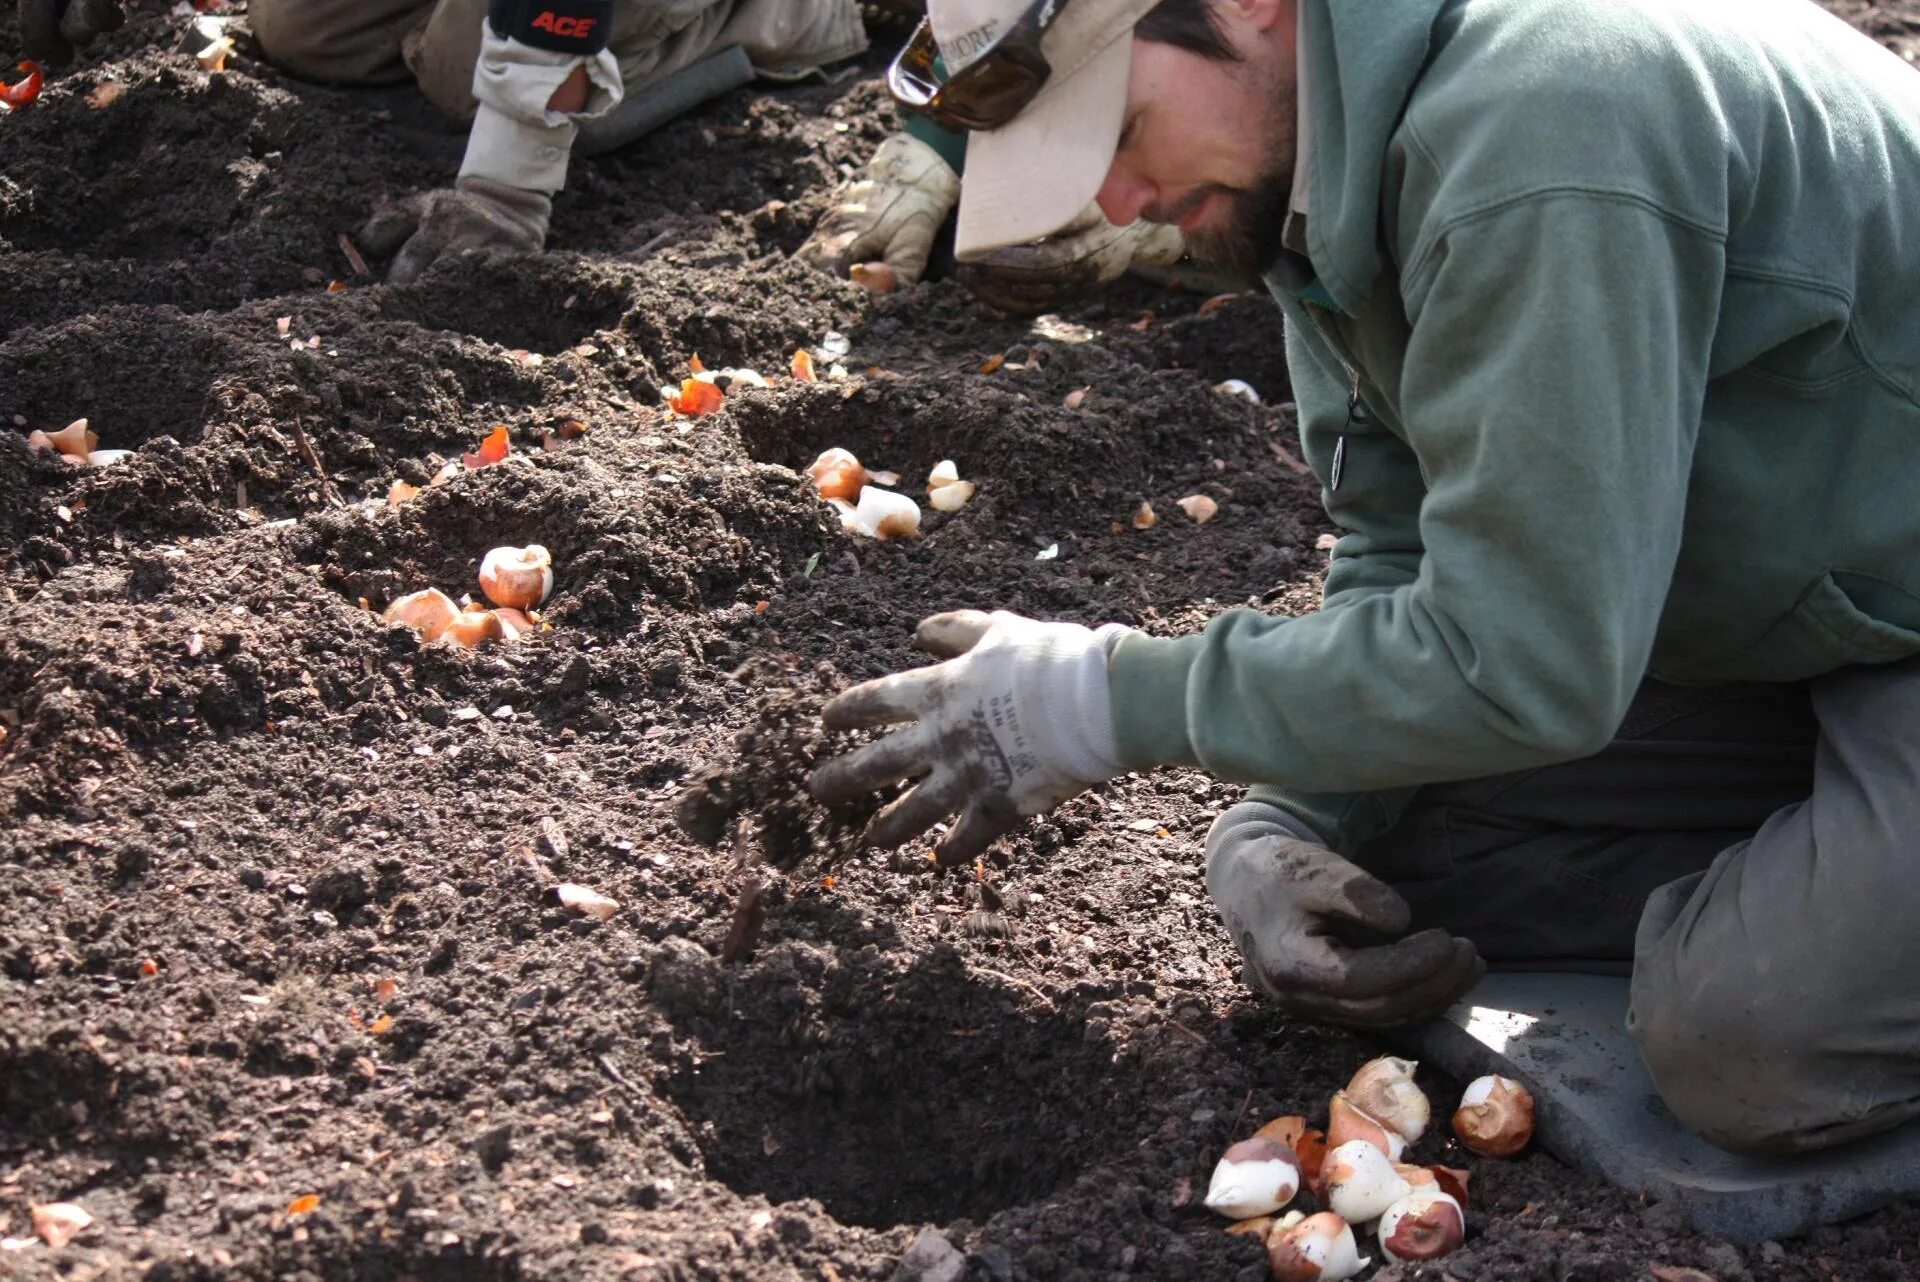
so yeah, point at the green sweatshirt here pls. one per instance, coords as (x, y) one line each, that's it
(1628, 292)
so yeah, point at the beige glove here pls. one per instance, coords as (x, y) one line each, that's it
(891, 215)
(474, 214)
(1045, 275)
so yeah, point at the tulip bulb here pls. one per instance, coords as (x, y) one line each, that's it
(1384, 1090)
(1495, 1117)
(1423, 1225)
(945, 490)
(837, 474)
(73, 441)
(472, 626)
(1199, 508)
(58, 1223)
(517, 578)
(107, 458)
(1319, 1248)
(427, 612)
(584, 901)
(513, 624)
(1361, 1182)
(1348, 1121)
(951, 498)
(1144, 517)
(1254, 1177)
(882, 514)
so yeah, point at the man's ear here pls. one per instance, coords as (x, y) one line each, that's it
(1261, 15)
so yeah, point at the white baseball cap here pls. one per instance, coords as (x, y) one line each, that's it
(1031, 176)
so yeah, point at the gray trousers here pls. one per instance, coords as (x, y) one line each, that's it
(437, 42)
(1749, 854)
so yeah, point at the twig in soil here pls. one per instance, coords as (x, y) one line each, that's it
(352, 251)
(1245, 1104)
(748, 915)
(1188, 1033)
(652, 243)
(1017, 983)
(1285, 455)
(313, 461)
(619, 1079)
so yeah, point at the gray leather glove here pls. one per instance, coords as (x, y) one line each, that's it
(891, 215)
(1320, 936)
(473, 214)
(50, 30)
(1011, 725)
(1046, 275)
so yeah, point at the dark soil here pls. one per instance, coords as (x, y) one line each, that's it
(232, 803)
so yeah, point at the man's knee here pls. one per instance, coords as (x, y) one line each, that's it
(1727, 1071)
(337, 41)
(1768, 1070)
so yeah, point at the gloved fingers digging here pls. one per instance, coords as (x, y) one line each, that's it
(391, 224)
(933, 799)
(1012, 725)
(474, 214)
(890, 214)
(883, 701)
(981, 824)
(952, 634)
(1333, 969)
(866, 769)
(1425, 998)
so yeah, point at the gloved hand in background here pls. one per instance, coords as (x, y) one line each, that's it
(1012, 724)
(890, 215)
(473, 214)
(1046, 275)
(1294, 908)
(50, 30)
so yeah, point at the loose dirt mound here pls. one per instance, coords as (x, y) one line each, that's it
(277, 919)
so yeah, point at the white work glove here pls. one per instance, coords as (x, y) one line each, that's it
(1287, 903)
(1046, 275)
(891, 215)
(1012, 724)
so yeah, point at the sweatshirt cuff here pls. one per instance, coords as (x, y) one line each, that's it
(1147, 688)
(516, 153)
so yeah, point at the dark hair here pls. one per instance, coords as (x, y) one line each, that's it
(1186, 24)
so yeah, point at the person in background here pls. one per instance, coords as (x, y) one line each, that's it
(534, 79)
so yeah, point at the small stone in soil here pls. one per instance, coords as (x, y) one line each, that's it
(931, 1258)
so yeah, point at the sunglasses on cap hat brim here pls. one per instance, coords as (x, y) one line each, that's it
(989, 91)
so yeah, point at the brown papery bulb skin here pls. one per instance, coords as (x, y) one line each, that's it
(1424, 1225)
(1495, 1117)
(838, 474)
(1348, 1121)
(517, 578)
(1384, 1090)
(428, 612)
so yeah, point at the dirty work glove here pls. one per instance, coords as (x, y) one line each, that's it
(1292, 906)
(1046, 275)
(50, 30)
(1011, 725)
(473, 214)
(891, 215)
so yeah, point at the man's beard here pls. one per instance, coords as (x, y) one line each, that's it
(1246, 240)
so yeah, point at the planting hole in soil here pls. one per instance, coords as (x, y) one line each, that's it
(918, 1096)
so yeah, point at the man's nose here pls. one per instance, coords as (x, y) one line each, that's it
(1123, 195)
